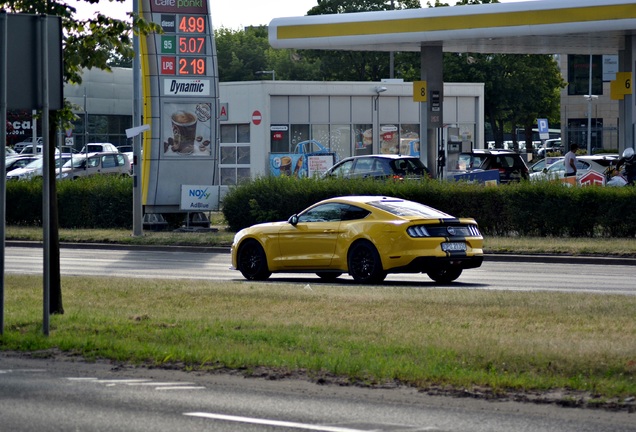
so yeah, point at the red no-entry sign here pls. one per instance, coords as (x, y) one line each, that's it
(257, 117)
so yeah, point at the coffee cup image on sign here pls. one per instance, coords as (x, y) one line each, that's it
(184, 131)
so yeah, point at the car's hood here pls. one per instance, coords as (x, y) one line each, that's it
(20, 171)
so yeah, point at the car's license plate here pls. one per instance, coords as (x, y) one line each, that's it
(454, 247)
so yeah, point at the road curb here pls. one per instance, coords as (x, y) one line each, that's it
(493, 257)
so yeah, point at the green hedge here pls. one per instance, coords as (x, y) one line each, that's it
(92, 202)
(526, 208)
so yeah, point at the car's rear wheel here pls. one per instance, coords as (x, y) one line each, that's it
(445, 275)
(365, 265)
(252, 261)
(328, 276)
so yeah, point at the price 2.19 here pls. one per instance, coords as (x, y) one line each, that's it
(192, 66)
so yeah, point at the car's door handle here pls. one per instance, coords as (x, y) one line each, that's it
(329, 231)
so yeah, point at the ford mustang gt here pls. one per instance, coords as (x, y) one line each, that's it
(364, 236)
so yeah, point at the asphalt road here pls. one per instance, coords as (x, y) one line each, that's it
(544, 273)
(63, 393)
(67, 395)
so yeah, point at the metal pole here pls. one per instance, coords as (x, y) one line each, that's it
(589, 112)
(46, 173)
(137, 201)
(3, 143)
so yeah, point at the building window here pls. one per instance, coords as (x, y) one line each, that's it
(279, 138)
(363, 139)
(235, 153)
(299, 133)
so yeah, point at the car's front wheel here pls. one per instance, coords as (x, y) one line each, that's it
(445, 275)
(365, 265)
(252, 261)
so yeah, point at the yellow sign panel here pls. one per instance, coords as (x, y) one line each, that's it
(621, 86)
(420, 93)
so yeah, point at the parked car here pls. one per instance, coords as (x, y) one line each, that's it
(99, 148)
(84, 165)
(28, 149)
(550, 146)
(544, 163)
(381, 166)
(584, 164)
(34, 168)
(18, 147)
(511, 166)
(19, 161)
(364, 236)
(8, 152)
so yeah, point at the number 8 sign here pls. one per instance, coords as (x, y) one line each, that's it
(420, 93)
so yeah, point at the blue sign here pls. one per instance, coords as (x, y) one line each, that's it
(544, 132)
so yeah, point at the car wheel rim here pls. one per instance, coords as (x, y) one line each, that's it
(251, 260)
(363, 263)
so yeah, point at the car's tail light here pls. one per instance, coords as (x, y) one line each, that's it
(474, 230)
(417, 231)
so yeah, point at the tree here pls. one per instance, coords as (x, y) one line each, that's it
(519, 88)
(362, 65)
(87, 44)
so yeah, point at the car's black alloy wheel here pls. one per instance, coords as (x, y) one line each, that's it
(365, 265)
(252, 262)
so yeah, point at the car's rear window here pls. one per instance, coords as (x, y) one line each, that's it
(408, 166)
(409, 208)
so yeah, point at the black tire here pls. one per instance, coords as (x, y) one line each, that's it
(328, 276)
(445, 275)
(252, 262)
(365, 265)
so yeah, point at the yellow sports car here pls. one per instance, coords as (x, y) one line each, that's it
(365, 236)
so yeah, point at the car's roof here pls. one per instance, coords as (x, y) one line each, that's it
(490, 151)
(383, 156)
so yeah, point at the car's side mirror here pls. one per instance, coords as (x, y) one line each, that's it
(293, 220)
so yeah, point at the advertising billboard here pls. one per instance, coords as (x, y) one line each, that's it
(180, 93)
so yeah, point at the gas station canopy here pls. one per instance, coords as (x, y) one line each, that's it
(532, 27)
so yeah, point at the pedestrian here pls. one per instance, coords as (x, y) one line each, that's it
(629, 160)
(570, 161)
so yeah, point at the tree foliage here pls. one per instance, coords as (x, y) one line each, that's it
(363, 65)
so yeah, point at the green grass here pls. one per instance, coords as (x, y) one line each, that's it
(420, 337)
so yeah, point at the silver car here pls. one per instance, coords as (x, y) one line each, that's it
(94, 164)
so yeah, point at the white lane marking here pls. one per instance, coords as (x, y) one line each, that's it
(142, 382)
(3, 371)
(180, 388)
(272, 422)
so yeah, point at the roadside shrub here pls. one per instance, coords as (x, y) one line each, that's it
(526, 208)
(91, 202)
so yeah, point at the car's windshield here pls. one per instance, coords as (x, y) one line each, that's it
(468, 161)
(409, 208)
(77, 161)
(408, 166)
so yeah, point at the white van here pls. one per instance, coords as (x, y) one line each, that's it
(99, 148)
